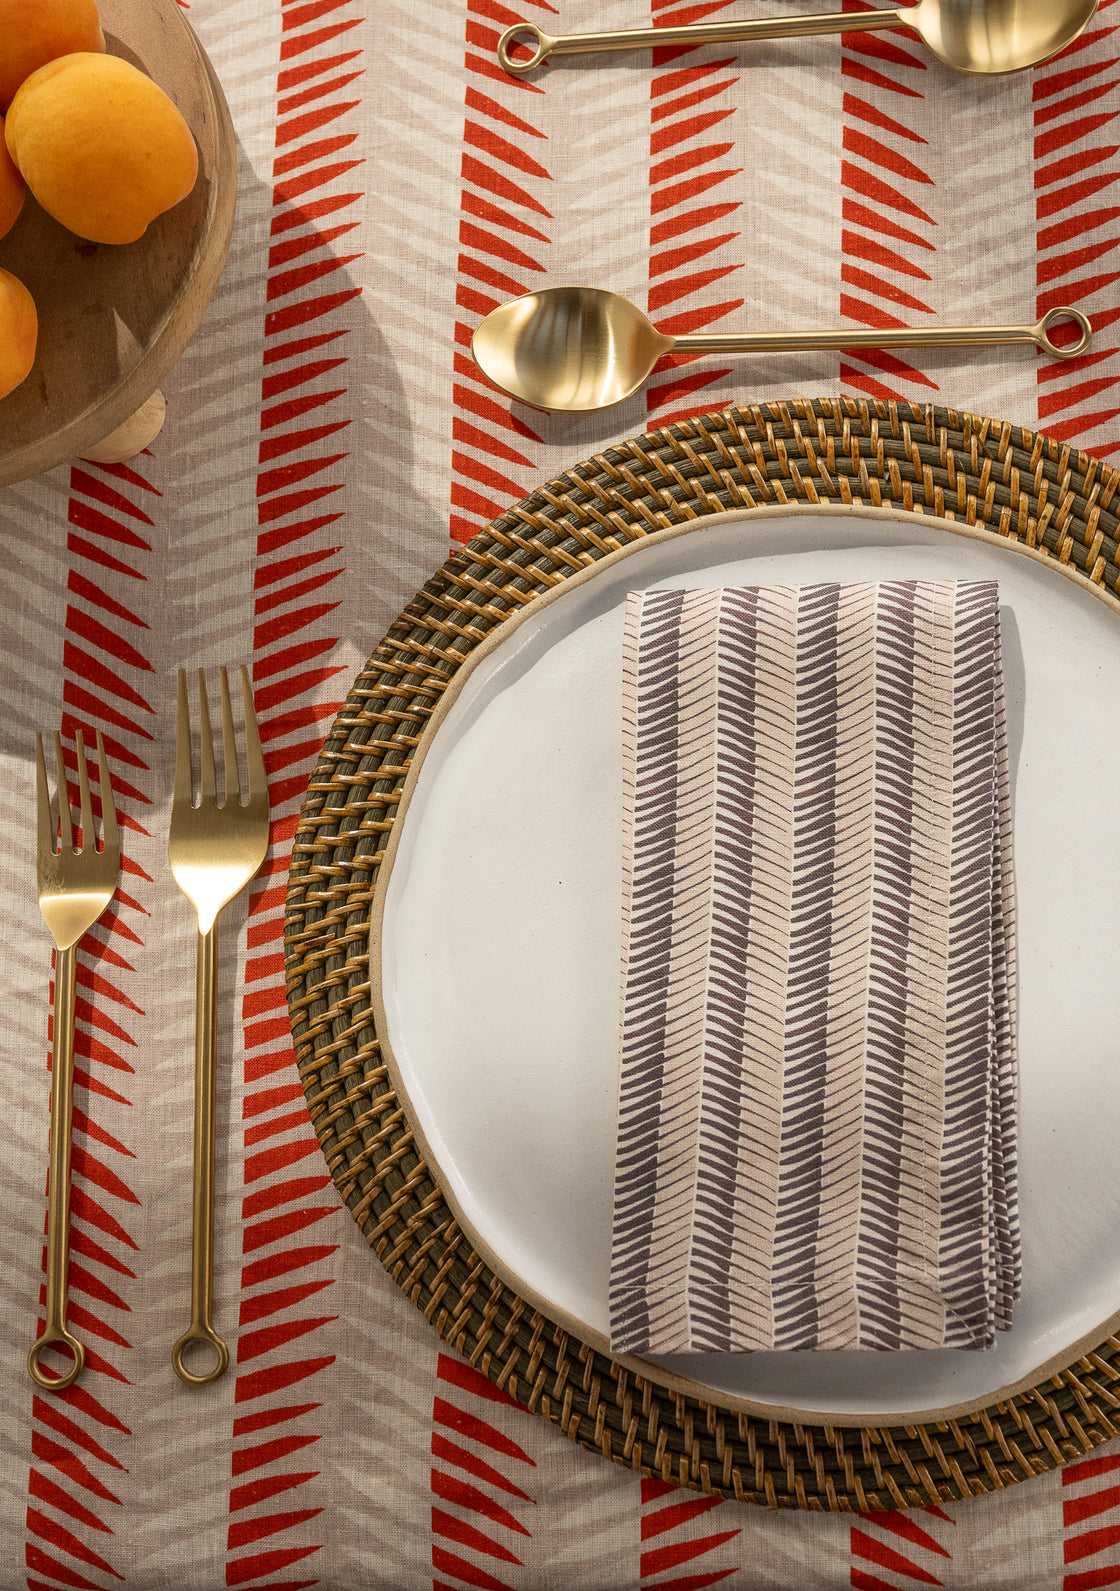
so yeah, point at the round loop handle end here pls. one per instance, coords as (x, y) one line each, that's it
(207, 1377)
(1053, 317)
(523, 32)
(56, 1381)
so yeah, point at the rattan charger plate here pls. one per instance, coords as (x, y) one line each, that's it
(983, 473)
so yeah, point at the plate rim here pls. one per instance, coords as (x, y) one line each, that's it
(1025, 487)
(670, 1380)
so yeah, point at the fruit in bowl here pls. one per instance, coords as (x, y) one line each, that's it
(12, 190)
(18, 332)
(37, 31)
(100, 145)
(113, 317)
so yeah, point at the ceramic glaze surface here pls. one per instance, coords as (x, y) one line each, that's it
(518, 1109)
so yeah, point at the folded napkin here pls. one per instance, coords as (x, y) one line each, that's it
(816, 1121)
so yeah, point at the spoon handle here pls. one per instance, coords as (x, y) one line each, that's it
(899, 337)
(543, 44)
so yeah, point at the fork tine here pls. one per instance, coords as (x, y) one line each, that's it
(214, 851)
(229, 745)
(45, 835)
(65, 831)
(254, 756)
(207, 785)
(89, 839)
(76, 884)
(182, 790)
(110, 842)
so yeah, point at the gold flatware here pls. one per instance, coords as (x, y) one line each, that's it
(76, 883)
(574, 349)
(985, 36)
(214, 849)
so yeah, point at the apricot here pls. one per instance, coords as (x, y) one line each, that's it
(100, 145)
(37, 31)
(19, 332)
(12, 188)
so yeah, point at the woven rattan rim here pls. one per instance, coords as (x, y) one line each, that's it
(981, 473)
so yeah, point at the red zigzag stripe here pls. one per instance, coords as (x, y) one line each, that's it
(900, 1544)
(301, 494)
(503, 208)
(1076, 100)
(687, 106)
(888, 236)
(77, 1435)
(668, 1512)
(476, 1531)
(1091, 1517)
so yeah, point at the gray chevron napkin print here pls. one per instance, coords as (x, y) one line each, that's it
(816, 1143)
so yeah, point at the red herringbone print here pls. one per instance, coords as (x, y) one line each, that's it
(1091, 1517)
(1076, 99)
(901, 1546)
(503, 211)
(301, 494)
(691, 144)
(887, 241)
(79, 1443)
(672, 1538)
(476, 1468)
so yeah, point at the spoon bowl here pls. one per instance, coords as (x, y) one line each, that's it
(575, 349)
(568, 348)
(1000, 35)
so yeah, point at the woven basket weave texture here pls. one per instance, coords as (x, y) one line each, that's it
(979, 472)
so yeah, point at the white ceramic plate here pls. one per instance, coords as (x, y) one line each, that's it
(495, 932)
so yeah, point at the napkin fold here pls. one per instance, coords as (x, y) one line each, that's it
(816, 1123)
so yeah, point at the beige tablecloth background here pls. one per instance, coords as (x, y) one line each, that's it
(327, 440)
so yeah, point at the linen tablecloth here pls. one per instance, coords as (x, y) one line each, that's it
(328, 440)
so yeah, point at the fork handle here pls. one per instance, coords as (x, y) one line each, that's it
(201, 1328)
(58, 1203)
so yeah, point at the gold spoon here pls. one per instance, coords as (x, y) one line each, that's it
(580, 348)
(971, 35)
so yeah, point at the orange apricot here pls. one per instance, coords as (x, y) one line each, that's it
(37, 31)
(12, 189)
(100, 145)
(19, 332)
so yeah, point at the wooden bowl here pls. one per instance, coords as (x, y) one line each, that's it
(114, 319)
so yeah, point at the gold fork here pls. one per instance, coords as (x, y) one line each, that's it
(76, 883)
(214, 850)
